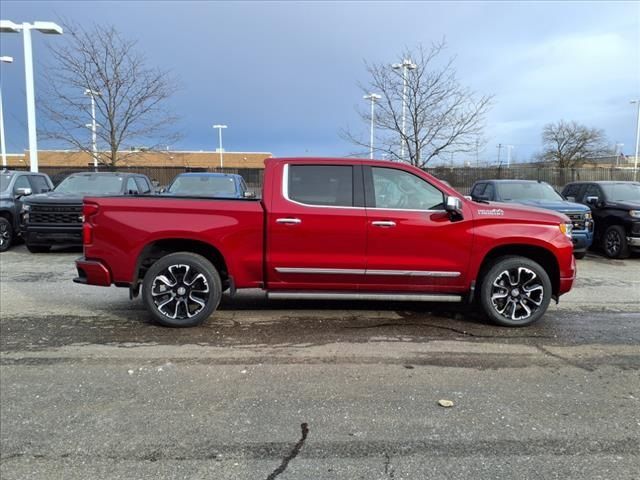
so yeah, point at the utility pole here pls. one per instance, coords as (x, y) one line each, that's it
(406, 64)
(509, 147)
(373, 97)
(4, 59)
(94, 141)
(499, 149)
(635, 162)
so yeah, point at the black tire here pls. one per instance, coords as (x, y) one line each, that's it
(38, 248)
(181, 289)
(6, 234)
(527, 293)
(614, 242)
(579, 255)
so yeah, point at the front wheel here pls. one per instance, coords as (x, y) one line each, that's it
(515, 292)
(6, 234)
(181, 289)
(615, 242)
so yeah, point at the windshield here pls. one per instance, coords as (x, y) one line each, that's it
(5, 180)
(527, 191)
(621, 192)
(203, 185)
(91, 184)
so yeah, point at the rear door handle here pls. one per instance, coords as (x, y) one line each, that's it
(384, 223)
(289, 221)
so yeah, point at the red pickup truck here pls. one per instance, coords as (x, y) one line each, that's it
(330, 229)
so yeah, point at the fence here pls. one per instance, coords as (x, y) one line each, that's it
(460, 178)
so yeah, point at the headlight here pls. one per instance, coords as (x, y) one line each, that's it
(634, 213)
(566, 228)
(588, 216)
(26, 208)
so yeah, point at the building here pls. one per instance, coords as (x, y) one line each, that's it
(138, 158)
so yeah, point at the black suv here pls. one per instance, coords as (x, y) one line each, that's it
(14, 187)
(56, 217)
(616, 212)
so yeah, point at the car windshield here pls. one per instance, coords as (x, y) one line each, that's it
(207, 185)
(91, 184)
(527, 191)
(5, 180)
(621, 192)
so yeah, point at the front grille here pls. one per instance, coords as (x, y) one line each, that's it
(578, 220)
(69, 214)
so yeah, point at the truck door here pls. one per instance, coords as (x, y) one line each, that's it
(316, 228)
(412, 244)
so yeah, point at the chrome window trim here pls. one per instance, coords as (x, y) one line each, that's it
(356, 271)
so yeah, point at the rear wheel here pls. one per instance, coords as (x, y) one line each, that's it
(6, 234)
(181, 289)
(515, 292)
(614, 242)
(38, 248)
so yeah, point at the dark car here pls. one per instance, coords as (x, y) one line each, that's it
(205, 184)
(542, 195)
(14, 187)
(616, 212)
(56, 217)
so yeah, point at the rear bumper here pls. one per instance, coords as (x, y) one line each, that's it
(50, 235)
(92, 272)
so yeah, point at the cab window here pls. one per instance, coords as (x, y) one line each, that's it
(321, 185)
(132, 188)
(400, 190)
(21, 182)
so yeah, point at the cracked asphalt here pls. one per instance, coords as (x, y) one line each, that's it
(90, 389)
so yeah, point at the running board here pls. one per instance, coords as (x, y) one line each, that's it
(400, 297)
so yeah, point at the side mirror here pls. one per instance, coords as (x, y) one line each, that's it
(23, 192)
(249, 195)
(453, 206)
(593, 201)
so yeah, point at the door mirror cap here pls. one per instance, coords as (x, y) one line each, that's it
(593, 201)
(23, 192)
(453, 205)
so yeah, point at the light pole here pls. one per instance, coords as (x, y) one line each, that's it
(509, 147)
(94, 144)
(635, 160)
(406, 64)
(374, 97)
(7, 26)
(3, 146)
(220, 127)
(617, 147)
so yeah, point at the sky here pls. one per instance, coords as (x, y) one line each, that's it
(284, 75)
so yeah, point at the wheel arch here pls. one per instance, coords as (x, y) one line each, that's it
(159, 248)
(542, 256)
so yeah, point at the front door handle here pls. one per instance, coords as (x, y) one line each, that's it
(384, 223)
(289, 221)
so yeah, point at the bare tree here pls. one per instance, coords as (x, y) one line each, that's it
(442, 116)
(570, 142)
(130, 97)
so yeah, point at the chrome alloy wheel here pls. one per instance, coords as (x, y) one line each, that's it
(517, 293)
(5, 234)
(180, 291)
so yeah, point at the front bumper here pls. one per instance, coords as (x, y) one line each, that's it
(54, 234)
(582, 240)
(92, 272)
(633, 242)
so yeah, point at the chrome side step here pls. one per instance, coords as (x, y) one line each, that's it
(400, 297)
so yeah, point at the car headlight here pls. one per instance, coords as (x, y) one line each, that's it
(634, 213)
(588, 216)
(26, 208)
(566, 228)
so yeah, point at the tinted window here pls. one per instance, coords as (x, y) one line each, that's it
(622, 192)
(398, 189)
(478, 189)
(91, 184)
(143, 185)
(592, 191)
(490, 192)
(132, 188)
(203, 185)
(327, 185)
(572, 190)
(5, 180)
(21, 182)
(527, 191)
(39, 184)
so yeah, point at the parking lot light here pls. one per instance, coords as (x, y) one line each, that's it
(3, 146)
(220, 127)
(635, 162)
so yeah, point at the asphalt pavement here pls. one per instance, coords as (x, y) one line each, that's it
(90, 388)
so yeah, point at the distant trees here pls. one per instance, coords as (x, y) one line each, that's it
(442, 115)
(567, 143)
(130, 96)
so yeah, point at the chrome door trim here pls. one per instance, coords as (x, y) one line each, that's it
(321, 271)
(383, 223)
(355, 271)
(289, 221)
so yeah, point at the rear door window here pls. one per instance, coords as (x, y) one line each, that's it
(321, 185)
